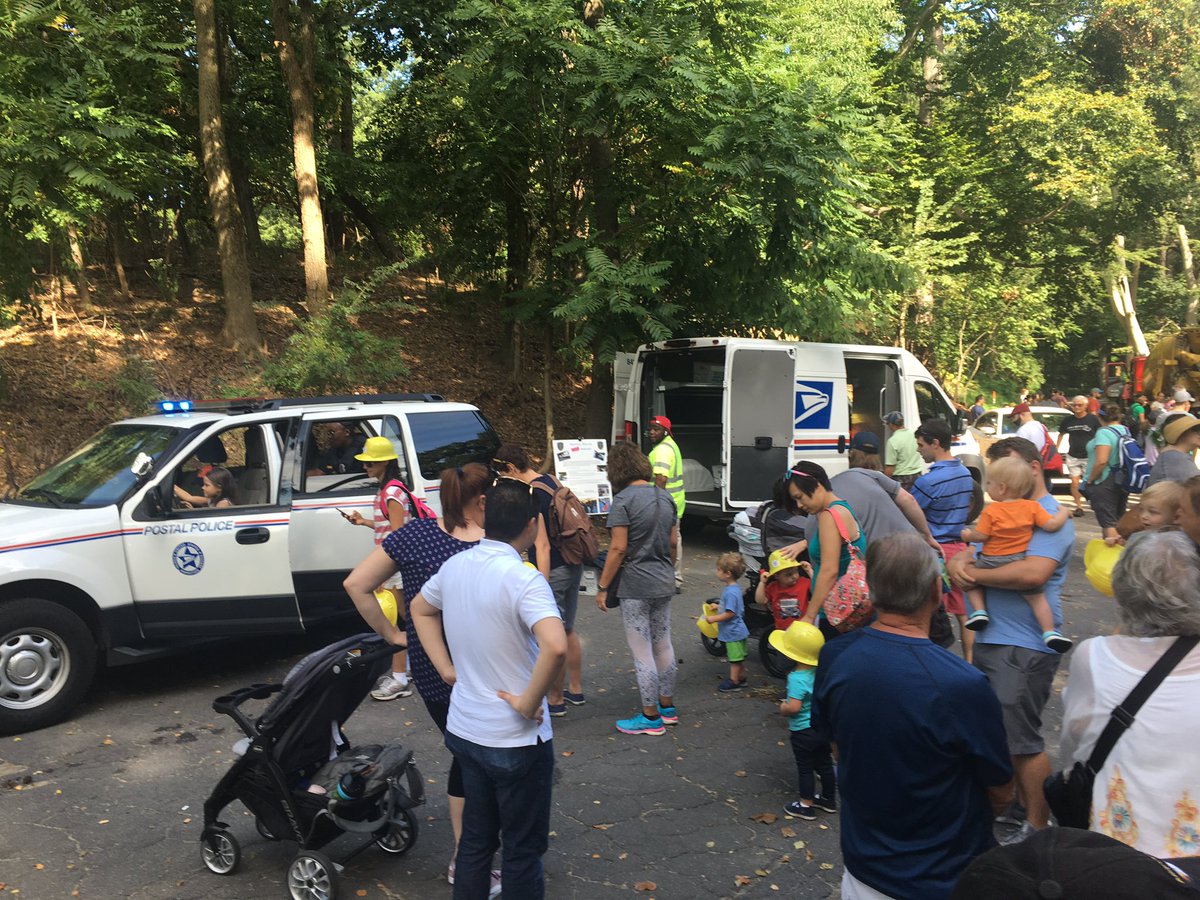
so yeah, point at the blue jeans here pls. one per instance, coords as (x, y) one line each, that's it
(507, 796)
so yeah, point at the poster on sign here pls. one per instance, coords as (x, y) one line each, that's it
(583, 467)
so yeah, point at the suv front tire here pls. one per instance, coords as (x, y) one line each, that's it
(47, 663)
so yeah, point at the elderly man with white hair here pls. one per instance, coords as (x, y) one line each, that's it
(1147, 790)
(923, 763)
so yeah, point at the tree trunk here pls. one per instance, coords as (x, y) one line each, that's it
(1189, 270)
(79, 272)
(379, 236)
(598, 415)
(547, 389)
(245, 195)
(931, 69)
(1122, 300)
(114, 241)
(517, 245)
(240, 330)
(295, 55)
(237, 148)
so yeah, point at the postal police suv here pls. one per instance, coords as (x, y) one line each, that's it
(100, 559)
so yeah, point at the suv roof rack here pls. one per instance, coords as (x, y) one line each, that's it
(260, 404)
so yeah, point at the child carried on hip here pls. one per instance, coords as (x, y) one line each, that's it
(1005, 529)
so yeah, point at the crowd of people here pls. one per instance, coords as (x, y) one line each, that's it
(906, 545)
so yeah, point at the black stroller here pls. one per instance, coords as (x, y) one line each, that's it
(298, 742)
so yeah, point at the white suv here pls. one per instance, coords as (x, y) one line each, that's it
(98, 557)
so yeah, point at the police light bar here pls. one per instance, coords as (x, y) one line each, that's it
(174, 406)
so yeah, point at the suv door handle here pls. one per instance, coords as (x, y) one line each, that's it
(253, 536)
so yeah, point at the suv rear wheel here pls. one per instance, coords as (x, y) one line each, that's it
(47, 660)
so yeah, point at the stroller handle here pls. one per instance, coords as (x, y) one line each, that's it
(350, 662)
(229, 704)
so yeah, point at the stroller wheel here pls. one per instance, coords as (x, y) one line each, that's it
(312, 876)
(398, 837)
(776, 664)
(714, 646)
(221, 852)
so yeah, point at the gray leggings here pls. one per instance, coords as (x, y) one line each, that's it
(648, 630)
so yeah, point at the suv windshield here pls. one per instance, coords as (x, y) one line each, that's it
(97, 473)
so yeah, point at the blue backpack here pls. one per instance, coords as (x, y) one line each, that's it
(1132, 469)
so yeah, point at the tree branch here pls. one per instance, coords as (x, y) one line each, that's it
(910, 39)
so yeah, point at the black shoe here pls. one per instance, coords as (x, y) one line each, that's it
(794, 809)
(829, 806)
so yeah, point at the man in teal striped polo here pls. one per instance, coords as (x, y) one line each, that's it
(666, 461)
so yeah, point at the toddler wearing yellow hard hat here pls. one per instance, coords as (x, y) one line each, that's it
(802, 644)
(781, 587)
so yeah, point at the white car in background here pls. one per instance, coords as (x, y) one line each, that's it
(999, 423)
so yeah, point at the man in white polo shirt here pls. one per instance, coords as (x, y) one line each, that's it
(503, 647)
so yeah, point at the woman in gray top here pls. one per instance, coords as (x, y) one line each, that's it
(643, 537)
(1175, 463)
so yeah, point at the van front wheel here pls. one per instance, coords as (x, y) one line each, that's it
(47, 660)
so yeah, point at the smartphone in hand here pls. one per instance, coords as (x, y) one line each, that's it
(345, 515)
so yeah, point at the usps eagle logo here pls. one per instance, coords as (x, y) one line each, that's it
(813, 404)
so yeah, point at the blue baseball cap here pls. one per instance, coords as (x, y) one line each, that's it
(866, 441)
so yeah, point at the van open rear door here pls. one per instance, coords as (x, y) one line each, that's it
(761, 400)
(623, 393)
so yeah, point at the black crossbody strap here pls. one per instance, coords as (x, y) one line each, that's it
(1123, 716)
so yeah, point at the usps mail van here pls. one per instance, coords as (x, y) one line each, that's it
(745, 410)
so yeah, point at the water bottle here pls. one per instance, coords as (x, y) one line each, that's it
(350, 786)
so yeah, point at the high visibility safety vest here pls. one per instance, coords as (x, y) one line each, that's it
(665, 459)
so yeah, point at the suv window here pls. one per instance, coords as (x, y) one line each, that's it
(444, 440)
(241, 451)
(330, 463)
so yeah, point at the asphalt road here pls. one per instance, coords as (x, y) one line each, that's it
(109, 804)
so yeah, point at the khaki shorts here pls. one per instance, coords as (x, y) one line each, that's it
(1075, 467)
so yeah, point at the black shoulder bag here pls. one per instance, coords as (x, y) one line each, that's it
(1070, 793)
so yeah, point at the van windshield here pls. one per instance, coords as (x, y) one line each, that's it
(97, 473)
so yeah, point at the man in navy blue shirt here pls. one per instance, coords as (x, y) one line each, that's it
(922, 759)
(945, 494)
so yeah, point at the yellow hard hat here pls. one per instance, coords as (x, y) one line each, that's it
(801, 642)
(708, 629)
(777, 563)
(1099, 559)
(377, 449)
(387, 600)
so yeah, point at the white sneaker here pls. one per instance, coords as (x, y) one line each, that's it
(388, 688)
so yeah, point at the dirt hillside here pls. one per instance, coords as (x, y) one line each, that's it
(64, 376)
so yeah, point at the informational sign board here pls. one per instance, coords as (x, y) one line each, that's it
(583, 467)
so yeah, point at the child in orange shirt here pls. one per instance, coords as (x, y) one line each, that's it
(1005, 528)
